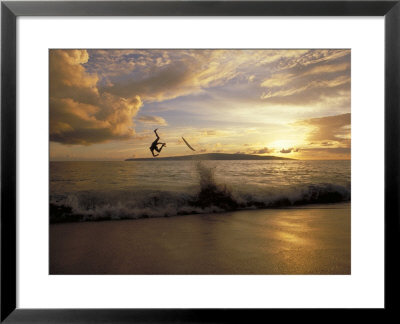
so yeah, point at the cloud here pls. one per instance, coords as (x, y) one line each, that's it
(301, 60)
(286, 76)
(68, 78)
(213, 132)
(314, 76)
(163, 75)
(157, 75)
(72, 122)
(79, 113)
(305, 90)
(209, 133)
(328, 129)
(152, 120)
(289, 150)
(263, 151)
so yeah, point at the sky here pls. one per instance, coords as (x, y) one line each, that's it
(105, 104)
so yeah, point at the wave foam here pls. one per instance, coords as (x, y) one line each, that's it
(210, 198)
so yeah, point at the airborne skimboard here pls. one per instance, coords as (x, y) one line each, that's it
(188, 145)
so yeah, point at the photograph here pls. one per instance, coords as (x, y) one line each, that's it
(200, 161)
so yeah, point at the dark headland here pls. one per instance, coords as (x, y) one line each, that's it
(212, 156)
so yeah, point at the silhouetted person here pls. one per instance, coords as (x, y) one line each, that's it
(155, 143)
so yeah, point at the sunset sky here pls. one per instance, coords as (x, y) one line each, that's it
(105, 104)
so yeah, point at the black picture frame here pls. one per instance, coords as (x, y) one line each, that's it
(10, 10)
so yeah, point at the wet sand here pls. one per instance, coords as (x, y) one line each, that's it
(309, 240)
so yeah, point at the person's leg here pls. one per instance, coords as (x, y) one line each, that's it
(152, 152)
(155, 132)
(159, 149)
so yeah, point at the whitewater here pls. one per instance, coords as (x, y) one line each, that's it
(86, 191)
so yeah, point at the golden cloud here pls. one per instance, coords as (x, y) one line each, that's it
(314, 76)
(169, 74)
(79, 113)
(264, 150)
(326, 130)
(152, 120)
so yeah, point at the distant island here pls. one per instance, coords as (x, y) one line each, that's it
(213, 156)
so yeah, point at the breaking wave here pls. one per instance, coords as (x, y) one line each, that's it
(210, 197)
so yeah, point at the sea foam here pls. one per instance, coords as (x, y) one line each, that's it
(210, 196)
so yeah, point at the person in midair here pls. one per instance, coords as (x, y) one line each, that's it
(154, 145)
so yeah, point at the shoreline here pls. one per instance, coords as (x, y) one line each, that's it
(295, 240)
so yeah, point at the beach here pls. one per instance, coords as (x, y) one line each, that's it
(312, 239)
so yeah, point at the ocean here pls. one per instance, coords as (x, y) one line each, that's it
(88, 191)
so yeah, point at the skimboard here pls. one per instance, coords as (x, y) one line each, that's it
(188, 145)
